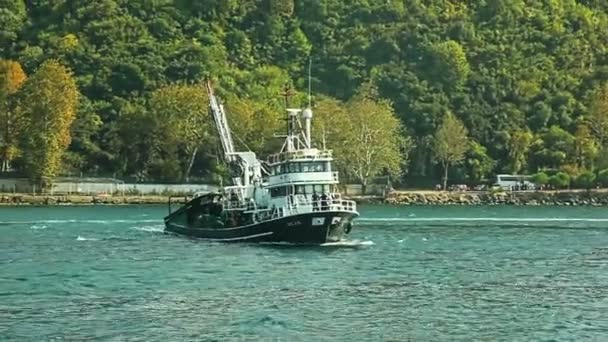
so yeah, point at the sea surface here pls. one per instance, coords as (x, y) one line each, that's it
(405, 274)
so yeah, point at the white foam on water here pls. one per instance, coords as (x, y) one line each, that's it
(348, 243)
(150, 229)
(81, 221)
(481, 219)
(80, 238)
(38, 226)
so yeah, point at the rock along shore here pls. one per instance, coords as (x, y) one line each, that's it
(29, 199)
(567, 198)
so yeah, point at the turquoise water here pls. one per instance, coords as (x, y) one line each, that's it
(407, 273)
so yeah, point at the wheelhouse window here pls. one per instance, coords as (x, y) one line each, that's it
(311, 189)
(321, 188)
(279, 191)
(297, 167)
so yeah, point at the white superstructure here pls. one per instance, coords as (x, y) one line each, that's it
(300, 178)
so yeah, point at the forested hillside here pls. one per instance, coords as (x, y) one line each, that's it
(526, 78)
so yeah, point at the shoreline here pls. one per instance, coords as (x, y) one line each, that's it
(421, 197)
(596, 197)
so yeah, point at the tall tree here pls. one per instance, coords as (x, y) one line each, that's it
(374, 141)
(451, 144)
(49, 102)
(519, 144)
(553, 148)
(586, 147)
(598, 115)
(12, 19)
(181, 114)
(11, 79)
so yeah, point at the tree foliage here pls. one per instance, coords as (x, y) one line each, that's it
(374, 140)
(560, 180)
(602, 177)
(11, 80)
(540, 178)
(523, 77)
(450, 144)
(585, 180)
(598, 115)
(49, 104)
(366, 136)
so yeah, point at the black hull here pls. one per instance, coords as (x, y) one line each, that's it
(310, 228)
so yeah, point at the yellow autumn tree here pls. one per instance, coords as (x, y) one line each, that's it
(450, 144)
(367, 138)
(181, 114)
(377, 143)
(329, 123)
(254, 124)
(48, 101)
(11, 79)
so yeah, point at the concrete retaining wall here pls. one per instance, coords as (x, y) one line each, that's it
(20, 185)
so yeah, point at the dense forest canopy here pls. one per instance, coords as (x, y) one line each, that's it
(526, 78)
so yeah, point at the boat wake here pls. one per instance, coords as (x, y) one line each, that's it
(38, 226)
(338, 244)
(44, 222)
(150, 229)
(349, 243)
(80, 238)
(480, 219)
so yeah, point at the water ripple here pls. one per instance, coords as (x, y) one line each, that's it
(451, 274)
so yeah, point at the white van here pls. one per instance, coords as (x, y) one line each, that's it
(514, 182)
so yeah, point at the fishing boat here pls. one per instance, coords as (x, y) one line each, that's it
(291, 197)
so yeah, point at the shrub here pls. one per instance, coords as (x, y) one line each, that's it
(585, 180)
(540, 178)
(602, 177)
(560, 180)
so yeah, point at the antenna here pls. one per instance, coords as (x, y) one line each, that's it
(309, 81)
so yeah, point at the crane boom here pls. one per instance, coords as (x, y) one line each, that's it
(221, 124)
(223, 130)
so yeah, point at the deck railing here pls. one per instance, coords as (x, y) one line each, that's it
(286, 156)
(333, 204)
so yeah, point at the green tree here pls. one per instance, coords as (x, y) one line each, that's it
(560, 180)
(585, 180)
(373, 140)
(602, 177)
(598, 115)
(254, 124)
(182, 118)
(587, 149)
(329, 123)
(477, 163)
(451, 64)
(450, 144)
(553, 148)
(13, 17)
(425, 58)
(519, 145)
(11, 80)
(49, 102)
(540, 178)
